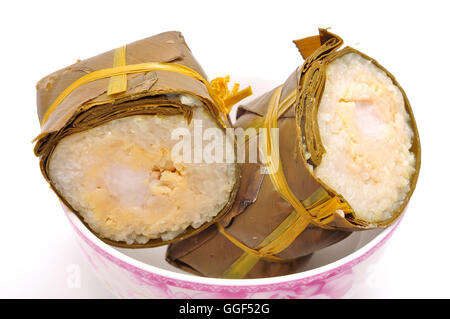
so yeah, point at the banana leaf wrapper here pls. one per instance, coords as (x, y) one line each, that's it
(91, 104)
(260, 209)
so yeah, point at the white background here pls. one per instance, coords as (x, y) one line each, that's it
(251, 41)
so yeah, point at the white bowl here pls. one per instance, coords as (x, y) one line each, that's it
(337, 271)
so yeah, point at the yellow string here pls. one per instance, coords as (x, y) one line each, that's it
(320, 212)
(318, 204)
(276, 174)
(118, 83)
(244, 247)
(140, 68)
(285, 105)
(230, 98)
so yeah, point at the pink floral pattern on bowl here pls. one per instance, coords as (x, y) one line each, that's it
(129, 278)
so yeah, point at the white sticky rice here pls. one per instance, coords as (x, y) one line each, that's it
(365, 130)
(122, 179)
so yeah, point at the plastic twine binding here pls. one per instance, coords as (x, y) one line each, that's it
(320, 205)
(118, 83)
(258, 123)
(223, 98)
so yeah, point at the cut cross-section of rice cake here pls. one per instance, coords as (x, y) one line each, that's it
(358, 133)
(121, 177)
(125, 161)
(366, 134)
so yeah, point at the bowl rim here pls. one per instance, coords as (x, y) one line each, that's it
(187, 279)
